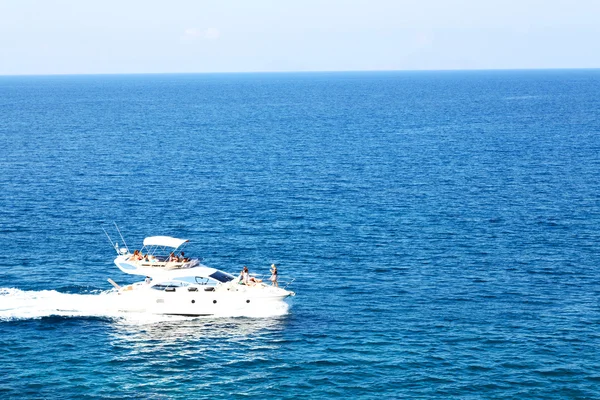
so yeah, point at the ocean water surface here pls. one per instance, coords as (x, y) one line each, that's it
(443, 230)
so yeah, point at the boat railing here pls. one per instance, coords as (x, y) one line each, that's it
(166, 264)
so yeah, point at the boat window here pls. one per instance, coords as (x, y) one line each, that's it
(221, 276)
(170, 284)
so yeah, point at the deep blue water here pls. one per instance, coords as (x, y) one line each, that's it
(443, 229)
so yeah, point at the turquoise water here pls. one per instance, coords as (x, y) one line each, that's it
(442, 229)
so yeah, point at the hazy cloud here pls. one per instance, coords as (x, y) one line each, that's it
(200, 34)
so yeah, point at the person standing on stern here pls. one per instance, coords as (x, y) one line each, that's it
(273, 277)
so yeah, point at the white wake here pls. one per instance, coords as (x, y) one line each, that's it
(25, 304)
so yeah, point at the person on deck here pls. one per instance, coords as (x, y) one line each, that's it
(273, 277)
(244, 275)
(182, 257)
(247, 279)
(136, 256)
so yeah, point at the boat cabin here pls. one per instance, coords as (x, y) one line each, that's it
(203, 279)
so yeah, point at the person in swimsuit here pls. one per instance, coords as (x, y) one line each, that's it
(137, 256)
(245, 276)
(273, 277)
(247, 279)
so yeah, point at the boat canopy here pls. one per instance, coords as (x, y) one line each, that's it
(164, 241)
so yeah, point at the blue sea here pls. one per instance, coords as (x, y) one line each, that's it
(442, 228)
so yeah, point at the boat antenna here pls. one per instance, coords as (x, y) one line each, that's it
(122, 238)
(114, 245)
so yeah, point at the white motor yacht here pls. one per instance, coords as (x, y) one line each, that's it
(177, 285)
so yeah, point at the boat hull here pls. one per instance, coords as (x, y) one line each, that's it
(203, 302)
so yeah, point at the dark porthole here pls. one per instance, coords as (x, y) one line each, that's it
(247, 301)
(214, 302)
(193, 301)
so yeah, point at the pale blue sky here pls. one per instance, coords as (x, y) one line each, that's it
(135, 36)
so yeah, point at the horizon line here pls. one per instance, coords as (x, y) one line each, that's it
(300, 71)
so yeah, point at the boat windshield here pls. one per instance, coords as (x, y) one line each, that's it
(194, 279)
(221, 276)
